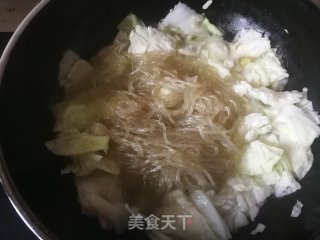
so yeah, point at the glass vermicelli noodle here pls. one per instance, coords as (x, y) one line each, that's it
(174, 110)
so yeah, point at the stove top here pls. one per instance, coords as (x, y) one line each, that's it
(11, 225)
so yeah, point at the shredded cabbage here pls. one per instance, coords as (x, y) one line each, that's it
(77, 143)
(207, 209)
(129, 23)
(296, 210)
(259, 229)
(207, 4)
(185, 20)
(148, 39)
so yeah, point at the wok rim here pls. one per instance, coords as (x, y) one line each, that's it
(20, 206)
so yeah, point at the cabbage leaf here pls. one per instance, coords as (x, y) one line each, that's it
(77, 143)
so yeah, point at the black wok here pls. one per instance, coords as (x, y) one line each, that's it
(31, 175)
